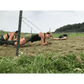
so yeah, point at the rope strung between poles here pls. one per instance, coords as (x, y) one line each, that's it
(33, 24)
(29, 26)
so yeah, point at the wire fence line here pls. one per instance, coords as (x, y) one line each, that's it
(32, 24)
(29, 26)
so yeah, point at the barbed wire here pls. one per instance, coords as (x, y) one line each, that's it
(28, 25)
(33, 24)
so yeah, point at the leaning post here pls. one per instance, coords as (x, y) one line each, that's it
(19, 30)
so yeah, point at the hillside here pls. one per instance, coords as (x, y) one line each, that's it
(71, 28)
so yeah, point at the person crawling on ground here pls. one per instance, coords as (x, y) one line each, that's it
(38, 37)
(61, 37)
(8, 37)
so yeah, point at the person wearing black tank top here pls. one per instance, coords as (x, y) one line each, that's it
(38, 37)
(8, 37)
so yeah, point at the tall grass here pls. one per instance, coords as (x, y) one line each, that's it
(42, 64)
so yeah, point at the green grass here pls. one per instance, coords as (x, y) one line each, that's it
(55, 34)
(5, 32)
(69, 34)
(42, 64)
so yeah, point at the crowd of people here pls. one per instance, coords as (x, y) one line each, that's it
(11, 39)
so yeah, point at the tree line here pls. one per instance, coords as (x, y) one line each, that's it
(71, 28)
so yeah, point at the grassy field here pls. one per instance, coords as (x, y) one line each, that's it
(62, 56)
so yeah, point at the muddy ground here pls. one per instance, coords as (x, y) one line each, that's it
(58, 47)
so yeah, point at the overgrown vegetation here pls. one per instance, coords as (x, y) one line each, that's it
(42, 64)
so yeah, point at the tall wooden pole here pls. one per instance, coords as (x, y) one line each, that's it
(19, 30)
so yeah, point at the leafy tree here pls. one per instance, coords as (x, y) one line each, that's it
(71, 28)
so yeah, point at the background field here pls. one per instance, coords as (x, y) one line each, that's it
(69, 51)
(74, 44)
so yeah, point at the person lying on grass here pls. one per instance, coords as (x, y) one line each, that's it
(8, 37)
(38, 37)
(61, 37)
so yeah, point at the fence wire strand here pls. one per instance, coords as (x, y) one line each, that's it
(32, 24)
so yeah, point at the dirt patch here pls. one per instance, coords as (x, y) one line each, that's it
(62, 47)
